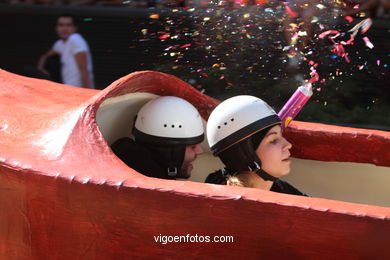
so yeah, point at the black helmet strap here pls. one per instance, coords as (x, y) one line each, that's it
(170, 158)
(265, 176)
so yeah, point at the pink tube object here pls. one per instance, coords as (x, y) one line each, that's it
(295, 104)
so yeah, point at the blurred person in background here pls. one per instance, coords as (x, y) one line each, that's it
(75, 56)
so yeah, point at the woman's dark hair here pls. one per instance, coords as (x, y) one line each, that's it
(242, 155)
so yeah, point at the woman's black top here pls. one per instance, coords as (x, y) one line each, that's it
(221, 176)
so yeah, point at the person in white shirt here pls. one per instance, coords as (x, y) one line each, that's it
(76, 59)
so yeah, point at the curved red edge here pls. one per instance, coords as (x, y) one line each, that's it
(322, 142)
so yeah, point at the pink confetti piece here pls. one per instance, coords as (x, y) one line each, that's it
(289, 11)
(185, 46)
(314, 76)
(349, 19)
(368, 42)
(378, 62)
(165, 36)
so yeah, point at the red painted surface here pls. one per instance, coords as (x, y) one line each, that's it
(339, 144)
(65, 195)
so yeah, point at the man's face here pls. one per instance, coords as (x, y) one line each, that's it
(65, 27)
(192, 151)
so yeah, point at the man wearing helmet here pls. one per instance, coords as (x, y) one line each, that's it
(167, 135)
(245, 133)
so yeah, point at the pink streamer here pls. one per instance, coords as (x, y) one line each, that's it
(338, 48)
(336, 34)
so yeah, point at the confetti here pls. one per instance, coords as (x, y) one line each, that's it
(289, 11)
(165, 36)
(366, 25)
(302, 33)
(349, 19)
(154, 16)
(368, 42)
(334, 32)
(185, 46)
(233, 49)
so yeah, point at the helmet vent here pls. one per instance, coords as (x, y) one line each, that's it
(225, 123)
(179, 126)
(173, 126)
(165, 125)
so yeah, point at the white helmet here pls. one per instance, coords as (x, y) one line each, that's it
(169, 120)
(236, 119)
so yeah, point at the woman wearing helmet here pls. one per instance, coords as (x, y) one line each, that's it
(167, 135)
(245, 133)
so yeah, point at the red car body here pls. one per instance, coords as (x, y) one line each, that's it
(65, 195)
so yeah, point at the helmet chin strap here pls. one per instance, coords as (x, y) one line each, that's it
(265, 176)
(172, 171)
(170, 158)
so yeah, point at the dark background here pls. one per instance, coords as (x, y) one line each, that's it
(358, 98)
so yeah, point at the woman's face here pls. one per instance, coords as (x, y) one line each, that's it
(274, 153)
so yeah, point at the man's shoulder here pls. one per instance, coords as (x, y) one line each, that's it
(138, 157)
(58, 44)
(77, 39)
(123, 145)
